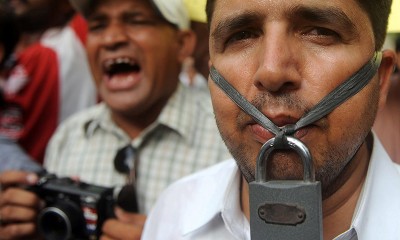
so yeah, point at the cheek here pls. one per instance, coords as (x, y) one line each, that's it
(350, 123)
(93, 59)
(225, 109)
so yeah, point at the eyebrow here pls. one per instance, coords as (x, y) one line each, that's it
(329, 15)
(235, 22)
(96, 17)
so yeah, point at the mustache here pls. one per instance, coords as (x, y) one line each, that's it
(291, 103)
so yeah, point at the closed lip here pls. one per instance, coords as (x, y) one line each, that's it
(262, 135)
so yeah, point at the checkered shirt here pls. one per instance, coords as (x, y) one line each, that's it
(183, 140)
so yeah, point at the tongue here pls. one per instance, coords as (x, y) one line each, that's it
(121, 81)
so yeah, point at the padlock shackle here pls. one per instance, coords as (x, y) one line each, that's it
(292, 143)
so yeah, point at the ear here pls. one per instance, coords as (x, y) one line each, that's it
(187, 44)
(385, 71)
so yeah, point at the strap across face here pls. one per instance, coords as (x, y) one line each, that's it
(344, 91)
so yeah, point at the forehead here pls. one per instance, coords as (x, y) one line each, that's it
(108, 6)
(39, 2)
(272, 10)
(32, 3)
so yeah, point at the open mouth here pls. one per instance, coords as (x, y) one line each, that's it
(121, 73)
(122, 65)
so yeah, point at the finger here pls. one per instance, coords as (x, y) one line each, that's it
(76, 178)
(19, 197)
(105, 237)
(127, 217)
(18, 231)
(10, 178)
(17, 214)
(115, 229)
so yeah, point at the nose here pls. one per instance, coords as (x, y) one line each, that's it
(278, 69)
(115, 36)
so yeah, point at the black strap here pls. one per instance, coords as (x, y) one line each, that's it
(339, 95)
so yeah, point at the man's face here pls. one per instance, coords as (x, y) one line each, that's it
(284, 57)
(134, 56)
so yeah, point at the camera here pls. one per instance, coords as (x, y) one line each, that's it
(73, 210)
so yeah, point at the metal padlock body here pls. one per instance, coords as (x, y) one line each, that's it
(285, 210)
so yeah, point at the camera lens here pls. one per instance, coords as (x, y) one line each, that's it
(62, 221)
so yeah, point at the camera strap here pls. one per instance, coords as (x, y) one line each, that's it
(335, 98)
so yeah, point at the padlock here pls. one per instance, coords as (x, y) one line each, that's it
(285, 209)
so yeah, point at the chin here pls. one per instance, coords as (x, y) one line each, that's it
(285, 165)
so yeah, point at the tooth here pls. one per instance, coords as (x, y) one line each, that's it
(109, 63)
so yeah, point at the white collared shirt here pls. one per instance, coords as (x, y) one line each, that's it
(206, 205)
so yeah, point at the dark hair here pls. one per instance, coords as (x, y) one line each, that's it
(9, 33)
(378, 12)
(398, 45)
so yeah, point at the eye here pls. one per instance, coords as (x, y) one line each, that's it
(96, 24)
(139, 19)
(241, 36)
(139, 22)
(319, 31)
(93, 27)
(321, 35)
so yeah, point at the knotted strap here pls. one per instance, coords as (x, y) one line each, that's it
(344, 91)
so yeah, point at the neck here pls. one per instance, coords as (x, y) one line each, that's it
(134, 124)
(27, 39)
(338, 209)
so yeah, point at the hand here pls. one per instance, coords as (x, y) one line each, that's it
(18, 207)
(127, 226)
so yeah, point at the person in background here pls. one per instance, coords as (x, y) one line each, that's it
(47, 76)
(12, 156)
(149, 131)
(283, 58)
(195, 67)
(387, 123)
(191, 77)
(9, 35)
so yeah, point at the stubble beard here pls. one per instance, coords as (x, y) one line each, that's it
(288, 164)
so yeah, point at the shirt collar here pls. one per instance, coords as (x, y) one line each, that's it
(378, 202)
(226, 204)
(234, 219)
(101, 119)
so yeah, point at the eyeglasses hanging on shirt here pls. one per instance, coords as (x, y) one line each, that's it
(126, 161)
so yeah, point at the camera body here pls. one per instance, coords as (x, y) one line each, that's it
(74, 210)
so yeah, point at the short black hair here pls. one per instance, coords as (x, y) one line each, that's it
(9, 32)
(398, 44)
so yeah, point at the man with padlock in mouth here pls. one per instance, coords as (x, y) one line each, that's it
(295, 87)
